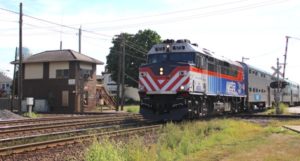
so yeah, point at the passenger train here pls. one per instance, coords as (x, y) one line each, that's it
(181, 79)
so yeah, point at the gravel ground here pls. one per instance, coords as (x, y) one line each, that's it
(71, 152)
(8, 115)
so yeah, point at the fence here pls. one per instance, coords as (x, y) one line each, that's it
(5, 103)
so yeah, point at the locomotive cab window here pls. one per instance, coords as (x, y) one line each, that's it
(157, 58)
(182, 57)
(173, 57)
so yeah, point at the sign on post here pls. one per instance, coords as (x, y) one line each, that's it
(277, 71)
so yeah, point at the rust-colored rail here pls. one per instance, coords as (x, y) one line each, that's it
(52, 143)
(48, 128)
(59, 118)
(266, 116)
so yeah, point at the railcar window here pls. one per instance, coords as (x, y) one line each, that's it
(182, 57)
(212, 67)
(250, 89)
(174, 57)
(157, 58)
(199, 61)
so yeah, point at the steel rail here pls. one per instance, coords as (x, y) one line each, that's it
(36, 120)
(69, 133)
(266, 116)
(52, 143)
(60, 126)
(66, 121)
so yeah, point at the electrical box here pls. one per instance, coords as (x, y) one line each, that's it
(29, 101)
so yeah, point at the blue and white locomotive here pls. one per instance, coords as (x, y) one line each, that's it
(181, 80)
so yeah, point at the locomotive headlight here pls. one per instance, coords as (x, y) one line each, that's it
(181, 88)
(161, 71)
(143, 74)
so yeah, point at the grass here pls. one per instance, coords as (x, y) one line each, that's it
(132, 108)
(31, 115)
(283, 109)
(207, 140)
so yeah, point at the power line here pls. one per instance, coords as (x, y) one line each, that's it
(167, 13)
(189, 17)
(140, 51)
(130, 77)
(133, 56)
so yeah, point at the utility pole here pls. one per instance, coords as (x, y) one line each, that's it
(20, 83)
(123, 73)
(60, 45)
(14, 83)
(285, 55)
(277, 97)
(119, 75)
(79, 40)
(243, 59)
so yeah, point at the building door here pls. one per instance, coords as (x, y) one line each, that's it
(65, 98)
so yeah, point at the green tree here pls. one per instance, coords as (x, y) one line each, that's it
(136, 48)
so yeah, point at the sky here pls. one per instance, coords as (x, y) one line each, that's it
(254, 29)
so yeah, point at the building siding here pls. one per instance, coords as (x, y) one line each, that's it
(34, 71)
(53, 66)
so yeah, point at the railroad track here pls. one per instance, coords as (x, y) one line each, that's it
(69, 133)
(6, 151)
(252, 116)
(6, 123)
(48, 127)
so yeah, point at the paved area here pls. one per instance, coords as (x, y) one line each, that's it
(294, 109)
(293, 128)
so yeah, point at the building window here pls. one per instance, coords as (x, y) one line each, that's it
(62, 73)
(85, 73)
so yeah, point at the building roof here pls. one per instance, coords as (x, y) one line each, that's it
(58, 56)
(4, 78)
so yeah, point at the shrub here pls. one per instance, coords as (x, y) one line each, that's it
(132, 109)
(32, 115)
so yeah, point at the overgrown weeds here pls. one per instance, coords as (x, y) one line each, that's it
(132, 108)
(176, 141)
(31, 115)
(283, 109)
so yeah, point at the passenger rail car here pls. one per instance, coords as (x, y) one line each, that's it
(181, 80)
(259, 93)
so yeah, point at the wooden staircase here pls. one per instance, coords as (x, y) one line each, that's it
(108, 100)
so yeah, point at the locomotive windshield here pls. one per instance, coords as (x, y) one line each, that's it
(171, 57)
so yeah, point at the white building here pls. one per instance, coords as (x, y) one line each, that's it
(111, 87)
(5, 84)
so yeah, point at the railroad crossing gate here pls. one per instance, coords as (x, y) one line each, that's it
(277, 71)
